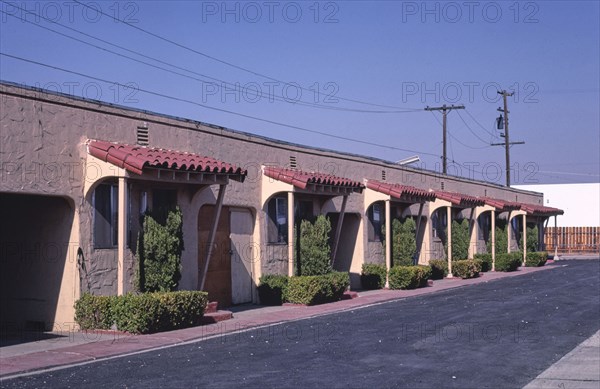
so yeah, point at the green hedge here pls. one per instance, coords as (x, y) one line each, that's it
(468, 268)
(486, 261)
(311, 290)
(535, 259)
(439, 268)
(272, 289)
(373, 276)
(141, 313)
(508, 261)
(409, 277)
(94, 312)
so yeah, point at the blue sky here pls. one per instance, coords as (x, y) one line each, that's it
(376, 65)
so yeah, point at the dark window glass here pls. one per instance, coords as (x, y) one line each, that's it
(105, 216)
(376, 221)
(278, 223)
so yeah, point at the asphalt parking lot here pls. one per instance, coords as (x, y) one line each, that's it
(500, 334)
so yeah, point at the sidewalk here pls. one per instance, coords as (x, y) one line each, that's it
(82, 347)
(579, 369)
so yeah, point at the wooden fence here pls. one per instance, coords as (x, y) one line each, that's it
(572, 239)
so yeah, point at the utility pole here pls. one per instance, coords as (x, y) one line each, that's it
(444, 110)
(507, 142)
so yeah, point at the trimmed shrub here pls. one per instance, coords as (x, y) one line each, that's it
(272, 289)
(439, 268)
(159, 252)
(535, 259)
(508, 261)
(409, 277)
(460, 239)
(404, 243)
(315, 253)
(141, 313)
(311, 290)
(94, 312)
(486, 261)
(468, 268)
(501, 241)
(138, 313)
(181, 309)
(373, 276)
(532, 240)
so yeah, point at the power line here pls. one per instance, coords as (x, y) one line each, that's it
(262, 94)
(158, 94)
(466, 145)
(220, 60)
(470, 130)
(479, 124)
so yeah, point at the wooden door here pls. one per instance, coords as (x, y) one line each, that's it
(242, 255)
(218, 277)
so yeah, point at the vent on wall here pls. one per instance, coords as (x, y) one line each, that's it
(383, 175)
(442, 185)
(485, 192)
(142, 135)
(293, 163)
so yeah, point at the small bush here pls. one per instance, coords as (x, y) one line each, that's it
(311, 290)
(486, 261)
(466, 268)
(409, 277)
(181, 309)
(141, 313)
(508, 261)
(272, 289)
(460, 238)
(315, 253)
(94, 312)
(439, 268)
(535, 259)
(373, 276)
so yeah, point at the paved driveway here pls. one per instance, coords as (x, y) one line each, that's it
(500, 334)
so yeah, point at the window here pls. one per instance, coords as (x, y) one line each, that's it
(278, 223)
(438, 224)
(484, 226)
(163, 201)
(105, 201)
(376, 219)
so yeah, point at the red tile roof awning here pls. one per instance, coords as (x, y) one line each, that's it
(540, 210)
(135, 159)
(460, 199)
(312, 181)
(403, 192)
(501, 204)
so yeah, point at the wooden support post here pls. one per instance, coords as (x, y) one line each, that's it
(449, 239)
(418, 253)
(291, 223)
(524, 237)
(338, 230)
(122, 218)
(493, 240)
(213, 232)
(472, 239)
(508, 231)
(555, 238)
(388, 241)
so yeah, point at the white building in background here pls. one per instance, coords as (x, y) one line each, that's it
(581, 202)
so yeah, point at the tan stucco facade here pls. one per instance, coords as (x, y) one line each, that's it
(43, 156)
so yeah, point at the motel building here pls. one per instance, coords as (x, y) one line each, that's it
(76, 175)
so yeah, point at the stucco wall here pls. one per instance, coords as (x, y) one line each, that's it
(42, 151)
